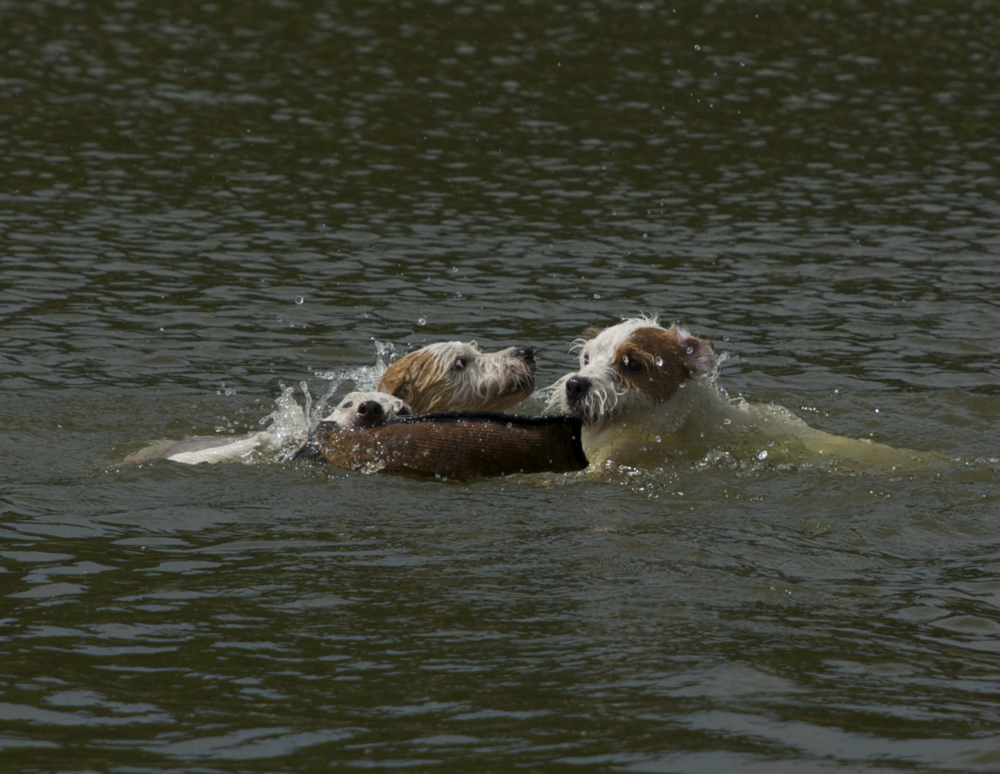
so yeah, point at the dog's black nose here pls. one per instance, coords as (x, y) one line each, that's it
(576, 387)
(370, 413)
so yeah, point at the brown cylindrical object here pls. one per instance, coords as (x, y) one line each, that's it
(456, 444)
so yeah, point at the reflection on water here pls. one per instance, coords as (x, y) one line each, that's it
(203, 204)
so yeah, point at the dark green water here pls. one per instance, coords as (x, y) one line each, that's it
(200, 203)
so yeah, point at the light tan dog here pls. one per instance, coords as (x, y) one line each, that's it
(356, 409)
(367, 408)
(456, 376)
(648, 393)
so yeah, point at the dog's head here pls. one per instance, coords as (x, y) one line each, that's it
(367, 409)
(631, 367)
(456, 376)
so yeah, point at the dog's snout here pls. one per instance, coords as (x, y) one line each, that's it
(576, 387)
(370, 413)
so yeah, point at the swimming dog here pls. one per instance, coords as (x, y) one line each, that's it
(355, 410)
(647, 393)
(367, 408)
(456, 376)
(631, 385)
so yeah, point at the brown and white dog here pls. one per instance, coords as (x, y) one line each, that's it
(456, 376)
(648, 393)
(632, 386)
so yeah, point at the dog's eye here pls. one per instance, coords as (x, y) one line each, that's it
(403, 412)
(460, 364)
(631, 364)
(347, 405)
(585, 359)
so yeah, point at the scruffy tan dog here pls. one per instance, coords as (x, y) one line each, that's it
(647, 393)
(456, 376)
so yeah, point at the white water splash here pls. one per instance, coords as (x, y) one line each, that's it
(285, 429)
(364, 378)
(289, 425)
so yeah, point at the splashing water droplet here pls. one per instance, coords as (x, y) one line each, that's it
(421, 321)
(300, 300)
(762, 455)
(659, 362)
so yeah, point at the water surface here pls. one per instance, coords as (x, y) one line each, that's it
(202, 205)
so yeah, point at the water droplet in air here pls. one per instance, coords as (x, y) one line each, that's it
(659, 361)
(300, 300)
(762, 455)
(421, 321)
(726, 421)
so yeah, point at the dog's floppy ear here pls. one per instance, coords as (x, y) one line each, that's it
(700, 353)
(591, 333)
(395, 382)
